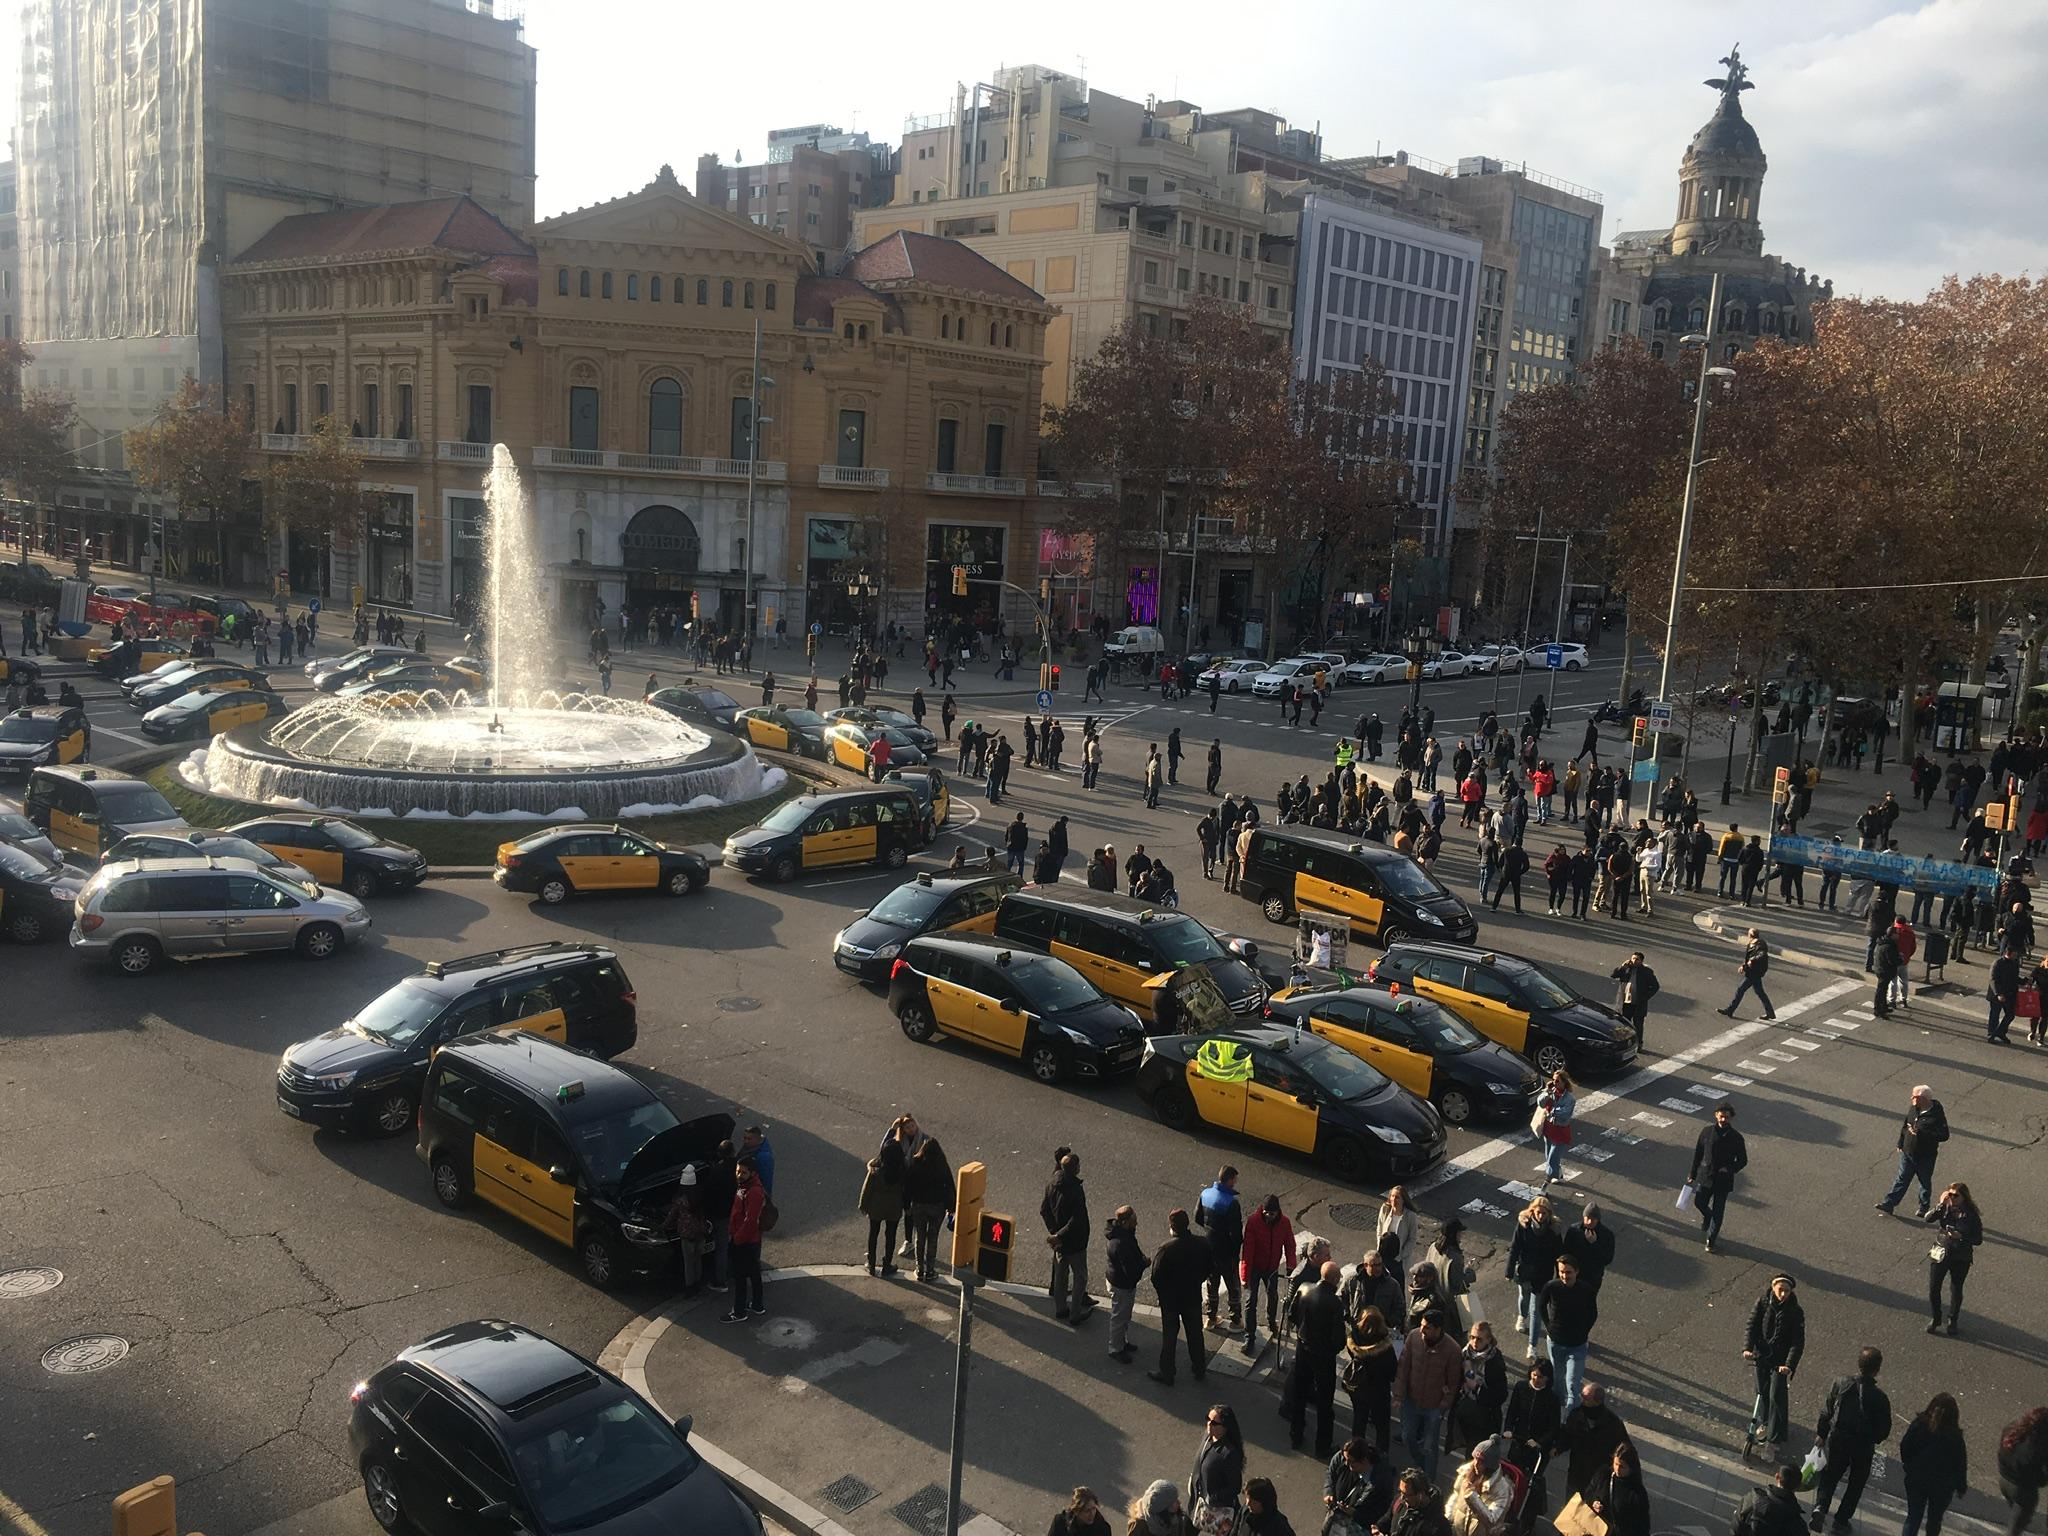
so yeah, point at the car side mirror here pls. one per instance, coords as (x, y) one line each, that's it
(1009, 1005)
(684, 1424)
(1306, 1099)
(497, 1512)
(561, 1174)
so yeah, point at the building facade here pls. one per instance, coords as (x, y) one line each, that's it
(808, 188)
(611, 351)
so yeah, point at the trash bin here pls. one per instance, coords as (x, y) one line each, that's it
(1934, 949)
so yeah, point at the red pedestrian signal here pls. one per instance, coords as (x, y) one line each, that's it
(992, 1260)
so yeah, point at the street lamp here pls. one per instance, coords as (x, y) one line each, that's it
(863, 589)
(1424, 646)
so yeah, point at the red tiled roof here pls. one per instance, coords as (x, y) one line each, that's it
(519, 274)
(449, 223)
(815, 297)
(906, 256)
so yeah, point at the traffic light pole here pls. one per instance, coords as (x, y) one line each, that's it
(962, 1357)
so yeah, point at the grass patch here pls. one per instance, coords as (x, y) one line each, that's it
(452, 843)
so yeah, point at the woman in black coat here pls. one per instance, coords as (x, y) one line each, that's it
(1530, 1420)
(1960, 1228)
(2023, 1465)
(1935, 1464)
(1532, 1264)
(1218, 1475)
(1617, 1494)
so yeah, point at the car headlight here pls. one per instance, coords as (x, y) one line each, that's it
(1423, 914)
(334, 1079)
(1076, 1036)
(64, 892)
(635, 1232)
(887, 952)
(1388, 1134)
(1502, 1088)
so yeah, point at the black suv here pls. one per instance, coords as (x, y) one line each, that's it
(489, 1427)
(366, 1075)
(1515, 1001)
(867, 946)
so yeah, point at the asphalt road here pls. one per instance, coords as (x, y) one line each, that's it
(256, 1269)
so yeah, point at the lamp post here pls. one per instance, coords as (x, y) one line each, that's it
(863, 589)
(1424, 646)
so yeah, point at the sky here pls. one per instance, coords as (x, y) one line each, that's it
(1905, 139)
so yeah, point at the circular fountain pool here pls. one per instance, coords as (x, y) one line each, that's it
(596, 756)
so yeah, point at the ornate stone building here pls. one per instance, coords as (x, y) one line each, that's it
(1718, 229)
(611, 351)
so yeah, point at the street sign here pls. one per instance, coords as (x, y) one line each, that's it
(1553, 656)
(1044, 699)
(1660, 714)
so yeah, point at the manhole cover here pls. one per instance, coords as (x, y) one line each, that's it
(848, 1494)
(925, 1511)
(1359, 1218)
(86, 1353)
(31, 1281)
(738, 1004)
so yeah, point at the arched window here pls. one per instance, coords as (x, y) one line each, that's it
(562, 281)
(632, 285)
(665, 417)
(991, 333)
(583, 285)
(849, 330)
(1696, 318)
(679, 288)
(771, 296)
(747, 296)
(1769, 322)
(945, 327)
(1009, 336)
(1791, 325)
(1730, 350)
(1663, 321)
(1731, 318)
(604, 285)
(725, 293)
(703, 290)
(1657, 349)
(862, 333)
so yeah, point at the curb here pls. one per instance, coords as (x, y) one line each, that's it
(1708, 921)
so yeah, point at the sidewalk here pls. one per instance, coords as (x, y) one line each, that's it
(833, 1411)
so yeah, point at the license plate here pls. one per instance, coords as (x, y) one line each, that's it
(290, 1108)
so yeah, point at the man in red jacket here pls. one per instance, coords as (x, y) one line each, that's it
(745, 1250)
(1268, 1254)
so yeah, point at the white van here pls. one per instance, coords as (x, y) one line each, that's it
(1138, 640)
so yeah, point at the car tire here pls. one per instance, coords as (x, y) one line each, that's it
(1275, 908)
(896, 857)
(319, 941)
(1455, 1105)
(27, 928)
(1393, 934)
(362, 885)
(1174, 1106)
(1551, 1058)
(553, 891)
(681, 883)
(699, 878)
(917, 1021)
(1348, 1160)
(451, 1187)
(783, 870)
(137, 956)
(1571, 666)
(600, 1261)
(380, 1491)
(391, 1112)
(1047, 1060)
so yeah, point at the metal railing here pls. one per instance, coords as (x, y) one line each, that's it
(464, 453)
(975, 485)
(689, 466)
(855, 479)
(368, 447)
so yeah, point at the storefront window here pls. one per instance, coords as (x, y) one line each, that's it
(390, 550)
(1141, 595)
(466, 575)
(979, 550)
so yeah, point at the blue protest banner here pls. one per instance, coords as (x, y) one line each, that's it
(1908, 873)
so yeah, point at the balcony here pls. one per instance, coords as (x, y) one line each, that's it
(975, 485)
(1075, 490)
(463, 453)
(368, 447)
(852, 479)
(680, 466)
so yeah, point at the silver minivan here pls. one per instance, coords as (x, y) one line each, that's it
(134, 914)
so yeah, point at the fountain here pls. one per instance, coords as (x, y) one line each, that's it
(524, 749)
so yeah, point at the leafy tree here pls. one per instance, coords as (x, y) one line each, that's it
(318, 492)
(35, 431)
(198, 455)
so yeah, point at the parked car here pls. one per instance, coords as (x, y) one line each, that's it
(1135, 641)
(1573, 660)
(1285, 674)
(1380, 667)
(1448, 664)
(1497, 658)
(1230, 676)
(705, 708)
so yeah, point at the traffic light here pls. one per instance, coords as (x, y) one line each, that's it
(970, 1184)
(1641, 733)
(1045, 590)
(992, 1255)
(1055, 683)
(959, 581)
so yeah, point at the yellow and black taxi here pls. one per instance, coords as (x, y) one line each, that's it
(785, 730)
(330, 674)
(882, 825)
(43, 734)
(1292, 1090)
(709, 709)
(37, 893)
(202, 716)
(579, 860)
(1383, 894)
(1020, 1003)
(199, 843)
(934, 796)
(1514, 1001)
(1421, 1045)
(19, 669)
(878, 715)
(412, 681)
(366, 1075)
(1122, 945)
(210, 676)
(337, 852)
(162, 672)
(88, 810)
(849, 743)
(131, 658)
(580, 1150)
(869, 945)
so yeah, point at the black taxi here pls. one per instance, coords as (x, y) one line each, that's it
(365, 1075)
(171, 666)
(1421, 1045)
(585, 859)
(580, 1150)
(1383, 895)
(208, 677)
(823, 830)
(934, 797)
(785, 730)
(869, 945)
(1295, 1091)
(1515, 1001)
(876, 715)
(849, 743)
(42, 734)
(128, 658)
(37, 894)
(88, 810)
(202, 716)
(1020, 1003)
(337, 852)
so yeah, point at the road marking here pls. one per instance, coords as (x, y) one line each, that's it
(1823, 1034)
(1845, 1023)
(19, 1519)
(1597, 1154)
(1708, 1093)
(1761, 1068)
(1773, 1055)
(1521, 1191)
(1683, 1106)
(1481, 1208)
(139, 741)
(1626, 1138)
(1801, 1045)
(1656, 1071)
(1732, 1080)
(1649, 1119)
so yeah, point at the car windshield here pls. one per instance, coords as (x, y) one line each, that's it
(139, 803)
(1052, 986)
(788, 817)
(349, 835)
(907, 906)
(189, 703)
(608, 1145)
(711, 698)
(1542, 991)
(1183, 941)
(25, 864)
(601, 1463)
(399, 1015)
(12, 825)
(804, 717)
(1407, 879)
(28, 728)
(1340, 1074)
(1440, 1029)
